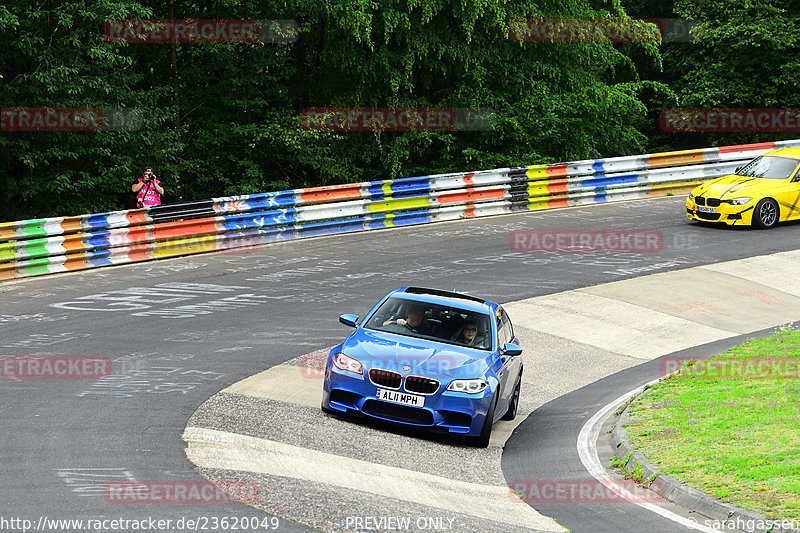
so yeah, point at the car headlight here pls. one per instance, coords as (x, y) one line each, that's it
(690, 197)
(470, 386)
(738, 201)
(349, 364)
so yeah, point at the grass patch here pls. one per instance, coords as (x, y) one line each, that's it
(636, 473)
(730, 425)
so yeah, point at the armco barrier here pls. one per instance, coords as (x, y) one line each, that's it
(44, 246)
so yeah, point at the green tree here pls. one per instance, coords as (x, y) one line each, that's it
(225, 118)
(54, 55)
(745, 54)
(552, 101)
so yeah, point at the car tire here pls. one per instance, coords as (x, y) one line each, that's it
(511, 414)
(766, 214)
(482, 440)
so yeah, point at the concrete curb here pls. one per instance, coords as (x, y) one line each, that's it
(677, 492)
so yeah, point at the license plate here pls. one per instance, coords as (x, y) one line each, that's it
(704, 209)
(400, 397)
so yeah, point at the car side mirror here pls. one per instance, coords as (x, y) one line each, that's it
(511, 349)
(349, 320)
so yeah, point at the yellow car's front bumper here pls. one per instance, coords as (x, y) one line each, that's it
(733, 215)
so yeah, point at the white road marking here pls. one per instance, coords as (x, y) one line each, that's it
(285, 383)
(611, 324)
(230, 451)
(778, 271)
(587, 450)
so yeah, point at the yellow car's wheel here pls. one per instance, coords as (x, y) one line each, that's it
(765, 215)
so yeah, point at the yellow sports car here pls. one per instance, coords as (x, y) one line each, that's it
(762, 193)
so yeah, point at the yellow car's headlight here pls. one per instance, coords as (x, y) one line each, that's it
(737, 201)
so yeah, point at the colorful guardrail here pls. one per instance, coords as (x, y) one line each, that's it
(45, 246)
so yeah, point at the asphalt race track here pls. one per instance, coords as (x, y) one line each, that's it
(179, 331)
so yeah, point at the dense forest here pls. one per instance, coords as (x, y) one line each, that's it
(227, 118)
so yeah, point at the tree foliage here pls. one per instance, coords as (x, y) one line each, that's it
(224, 119)
(744, 54)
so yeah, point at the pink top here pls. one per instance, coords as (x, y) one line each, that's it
(147, 195)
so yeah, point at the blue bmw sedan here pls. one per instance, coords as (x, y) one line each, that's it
(428, 358)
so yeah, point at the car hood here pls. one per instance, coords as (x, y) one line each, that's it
(734, 186)
(377, 349)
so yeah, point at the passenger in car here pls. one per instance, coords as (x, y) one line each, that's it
(468, 334)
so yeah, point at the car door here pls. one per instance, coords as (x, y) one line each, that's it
(788, 196)
(506, 374)
(513, 364)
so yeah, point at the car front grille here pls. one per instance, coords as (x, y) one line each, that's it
(421, 385)
(399, 413)
(699, 200)
(385, 378)
(708, 216)
(713, 202)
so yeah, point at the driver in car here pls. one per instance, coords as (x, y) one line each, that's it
(415, 321)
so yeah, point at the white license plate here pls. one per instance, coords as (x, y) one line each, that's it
(400, 397)
(704, 209)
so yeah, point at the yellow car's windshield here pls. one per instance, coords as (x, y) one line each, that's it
(769, 167)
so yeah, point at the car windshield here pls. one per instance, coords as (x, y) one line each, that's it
(769, 167)
(450, 325)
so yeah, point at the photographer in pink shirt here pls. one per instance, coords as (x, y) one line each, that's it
(147, 189)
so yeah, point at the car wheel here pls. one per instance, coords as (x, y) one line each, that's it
(511, 414)
(482, 440)
(765, 215)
